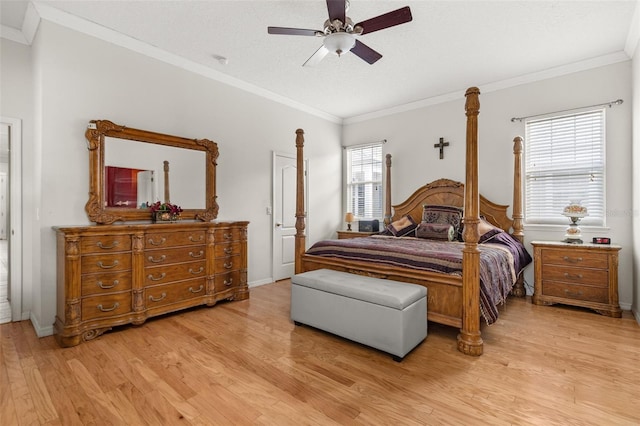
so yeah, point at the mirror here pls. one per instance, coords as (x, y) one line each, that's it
(130, 169)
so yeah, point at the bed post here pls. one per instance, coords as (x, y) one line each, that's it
(469, 339)
(518, 216)
(387, 198)
(300, 214)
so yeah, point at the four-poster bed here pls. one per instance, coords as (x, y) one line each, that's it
(453, 298)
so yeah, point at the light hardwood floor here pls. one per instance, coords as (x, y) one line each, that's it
(246, 363)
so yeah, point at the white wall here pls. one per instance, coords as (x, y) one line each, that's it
(78, 78)
(636, 178)
(411, 136)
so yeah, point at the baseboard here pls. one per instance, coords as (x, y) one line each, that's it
(636, 314)
(625, 306)
(40, 331)
(260, 282)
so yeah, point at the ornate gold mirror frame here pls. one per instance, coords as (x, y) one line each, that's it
(96, 207)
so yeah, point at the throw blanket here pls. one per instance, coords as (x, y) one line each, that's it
(501, 260)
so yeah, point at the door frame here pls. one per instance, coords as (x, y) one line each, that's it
(15, 215)
(273, 203)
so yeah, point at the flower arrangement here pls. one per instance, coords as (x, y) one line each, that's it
(164, 211)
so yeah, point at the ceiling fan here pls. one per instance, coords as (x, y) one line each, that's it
(341, 35)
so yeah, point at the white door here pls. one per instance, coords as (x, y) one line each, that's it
(284, 215)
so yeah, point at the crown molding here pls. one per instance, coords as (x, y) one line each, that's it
(12, 34)
(81, 25)
(588, 64)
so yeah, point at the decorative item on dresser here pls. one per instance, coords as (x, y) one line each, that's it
(119, 274)
(583, 275)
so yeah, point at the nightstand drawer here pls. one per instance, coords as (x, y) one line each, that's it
(576, 292)
(595, 277)
(580, 259)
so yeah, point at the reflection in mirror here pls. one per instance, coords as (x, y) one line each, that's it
(131, 168)
(137, 160)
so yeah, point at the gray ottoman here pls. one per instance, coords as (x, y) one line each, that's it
(386, 315)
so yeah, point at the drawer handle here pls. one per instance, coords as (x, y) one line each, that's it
(196, 291)
(196, 256)
(113, 308)
(191, 271)
(571, 259)
(103, 266)
(228, 283)
(162, 296)
(107, 287)
(196, 240)
(571, 293)
(152, 278)
(228, 250)
(228, 236)
(160, 259)
(157, 243)
(576, 276)
(228, 265)
(102, 246)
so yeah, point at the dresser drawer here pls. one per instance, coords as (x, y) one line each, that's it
(105, 244)
(105, 306)
(168, 256)
(167, 294)
(226, 235)
(174, 239)
(182, 271)
(595, 277)
(575, 292)
(226, 281)
(105, 262)
(227, 264)
(587, 259)
(222, 250)
(108, 282)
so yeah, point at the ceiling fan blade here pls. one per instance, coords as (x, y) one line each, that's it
(292, 31)
(316, 57)
(387, 20)
(336, 10)
(365, 52)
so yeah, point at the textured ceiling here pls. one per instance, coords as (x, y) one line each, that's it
(449, 45)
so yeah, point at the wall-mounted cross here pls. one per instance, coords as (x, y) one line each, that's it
(441, 145)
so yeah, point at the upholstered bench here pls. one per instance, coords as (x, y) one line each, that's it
(383, 314)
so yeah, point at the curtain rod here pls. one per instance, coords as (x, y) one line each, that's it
(609, 104)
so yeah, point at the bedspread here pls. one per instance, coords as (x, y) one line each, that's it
(500, 261)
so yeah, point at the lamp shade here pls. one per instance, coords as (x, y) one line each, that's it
(339, 43)
(348, 217)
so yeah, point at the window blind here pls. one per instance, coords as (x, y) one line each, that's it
(564, 162)
(364, 181)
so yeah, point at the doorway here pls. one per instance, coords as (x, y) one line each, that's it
(10, 219)
(284, 214)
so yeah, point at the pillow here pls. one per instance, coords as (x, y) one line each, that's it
(486, 230)
(444, 214)
(436, 231)
(402, 227)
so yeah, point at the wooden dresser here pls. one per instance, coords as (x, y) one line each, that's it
(577, 274)
(109, 275)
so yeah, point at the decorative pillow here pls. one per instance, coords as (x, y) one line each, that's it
(486, 230)
(436, 231)
(403, 227)
(444, 214)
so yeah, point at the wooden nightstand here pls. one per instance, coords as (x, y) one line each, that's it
(577, 274)
(353, 234)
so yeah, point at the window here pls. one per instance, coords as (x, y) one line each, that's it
(364, 181)
(564, 161)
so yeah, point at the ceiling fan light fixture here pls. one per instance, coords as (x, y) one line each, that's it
(339, 43)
